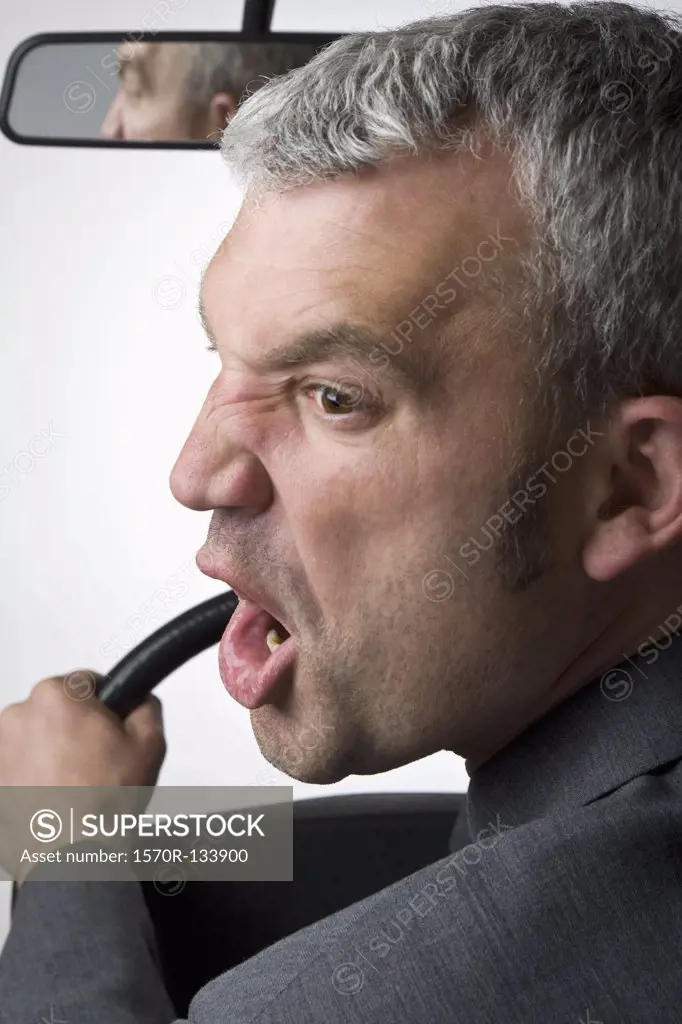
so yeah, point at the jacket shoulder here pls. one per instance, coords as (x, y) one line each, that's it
(571, 916)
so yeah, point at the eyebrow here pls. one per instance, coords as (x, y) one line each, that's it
(135, 62)
(343, 339)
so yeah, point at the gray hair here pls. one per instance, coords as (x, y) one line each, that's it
(586, 99)
(236, 67)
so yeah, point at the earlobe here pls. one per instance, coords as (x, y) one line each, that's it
(641, 514)
(616, 544)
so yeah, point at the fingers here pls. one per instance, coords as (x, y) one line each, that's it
(144, 724)
(78, 685)
(82, 684)
(73, 693)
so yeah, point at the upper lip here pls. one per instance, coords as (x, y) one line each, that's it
(263, 601)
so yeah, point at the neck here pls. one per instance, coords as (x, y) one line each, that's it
(656, 616)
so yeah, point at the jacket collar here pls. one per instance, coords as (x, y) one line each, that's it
(620, 725)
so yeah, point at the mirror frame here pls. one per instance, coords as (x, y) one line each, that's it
(25, 47)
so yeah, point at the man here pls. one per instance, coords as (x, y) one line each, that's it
(183, 91)
(444, 449)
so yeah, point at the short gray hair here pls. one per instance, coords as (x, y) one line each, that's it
(238, 67)
(587, 100)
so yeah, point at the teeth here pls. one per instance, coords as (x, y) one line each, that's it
(273, 640)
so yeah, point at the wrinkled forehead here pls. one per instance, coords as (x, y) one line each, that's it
(418, 211)
(414, 242)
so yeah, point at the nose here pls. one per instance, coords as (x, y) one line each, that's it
(217, 470)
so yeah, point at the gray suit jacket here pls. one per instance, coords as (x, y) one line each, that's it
(566, 907)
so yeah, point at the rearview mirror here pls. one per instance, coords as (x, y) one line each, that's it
(163, 90)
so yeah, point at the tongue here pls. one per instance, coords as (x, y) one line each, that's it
(243, 652)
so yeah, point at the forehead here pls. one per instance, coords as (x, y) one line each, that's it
(154, 58)
(375, 244)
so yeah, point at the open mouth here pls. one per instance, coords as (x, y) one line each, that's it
(260, 634)
(276, 635)
(255, 653)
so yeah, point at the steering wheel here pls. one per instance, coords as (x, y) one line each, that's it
(133, 678)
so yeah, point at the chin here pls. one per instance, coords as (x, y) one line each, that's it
(314, 775)
(314, 769)
(305, 747)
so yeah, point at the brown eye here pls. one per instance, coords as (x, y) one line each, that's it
(341, 402)
(337, 399)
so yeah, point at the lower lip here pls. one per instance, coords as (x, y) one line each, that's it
(256, 685)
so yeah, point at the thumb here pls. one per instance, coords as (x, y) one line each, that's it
(145, 724)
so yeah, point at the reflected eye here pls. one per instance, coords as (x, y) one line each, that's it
(132, 85)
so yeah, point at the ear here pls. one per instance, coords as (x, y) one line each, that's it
(636, 484)
(223, 107)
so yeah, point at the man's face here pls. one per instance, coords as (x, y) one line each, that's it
(150, 103)
(352, 519)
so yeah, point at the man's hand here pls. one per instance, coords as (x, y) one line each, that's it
(55, 739)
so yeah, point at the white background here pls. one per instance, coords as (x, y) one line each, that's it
(95, 246)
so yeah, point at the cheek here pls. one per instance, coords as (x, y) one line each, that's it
(331, 538)
(137, 121)
(149, 115)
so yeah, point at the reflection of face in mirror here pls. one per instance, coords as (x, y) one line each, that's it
(166, 93)
(190, 90)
